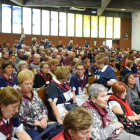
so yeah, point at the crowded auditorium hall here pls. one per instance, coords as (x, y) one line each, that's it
(69, 70)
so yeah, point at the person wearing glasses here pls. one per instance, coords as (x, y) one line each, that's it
(10, 124)
(53, 65)
(6, 77)
(78, 83)
(43, 78)
(32, 113)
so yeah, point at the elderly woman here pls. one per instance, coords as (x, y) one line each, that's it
(22, 65)
(57, 93)
(77, 125)
(43, 78)
(119, 104)
(33, 113)
(135, 68)
(53, 65)
(104, 123)
(10, 125)
(105, 74)
(6, 77)
(133, 91)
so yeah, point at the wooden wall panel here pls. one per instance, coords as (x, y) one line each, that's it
(125, 28)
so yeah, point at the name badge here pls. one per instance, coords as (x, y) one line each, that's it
(47, 82)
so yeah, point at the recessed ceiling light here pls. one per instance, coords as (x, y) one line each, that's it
(122, 9)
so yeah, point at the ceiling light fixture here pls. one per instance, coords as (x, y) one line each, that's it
(122, 9)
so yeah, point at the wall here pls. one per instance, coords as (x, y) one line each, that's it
(125, 28)
(135, 31)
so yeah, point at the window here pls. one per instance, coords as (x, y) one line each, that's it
(70, 24)
(116, 27)
(62, 24)
(16, 19)
(27, 20)
(79, 25)
(45, 22)
(109, 27)
(6, 18)
(101, 27)
(54, 23)
(86, 26)
(36, 21)
(94, 26)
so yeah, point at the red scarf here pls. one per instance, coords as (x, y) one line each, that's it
(65, 87)
(89, 104)
(46, 78)
(82, 81)
(7, 79)
(25, 96)
(16, 69)
(6, 130)
(128, 110)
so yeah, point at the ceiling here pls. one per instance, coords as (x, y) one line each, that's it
(99, 5)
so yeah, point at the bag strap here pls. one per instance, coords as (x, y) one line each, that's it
(45, 131)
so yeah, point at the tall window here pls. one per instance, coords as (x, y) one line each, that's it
(54, 23)
(94, 26)
(16, 19)
(79, 25)
(86, 26)
(117, 27)
(101, 27)
(45, 22)
(27, 20)
(6, 18)
(62, 24)
(70, 24)
(36, 21)
(109, 27)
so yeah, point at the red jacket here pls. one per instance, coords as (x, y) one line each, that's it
(63, 136)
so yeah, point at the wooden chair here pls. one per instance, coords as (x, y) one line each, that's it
(118, 73)
(122, 62)
(91, 79)
(42, 93)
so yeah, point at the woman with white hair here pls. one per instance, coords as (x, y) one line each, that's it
(135, 68)
(104, 123)
(22, 65)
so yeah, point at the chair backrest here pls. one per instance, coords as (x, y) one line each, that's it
(118, 73)
(42, 93)
(91, 79)
(122, 62)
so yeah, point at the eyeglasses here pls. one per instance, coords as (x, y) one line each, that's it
(14, 108)
(80, 69)
(46, 67)
(56, 65)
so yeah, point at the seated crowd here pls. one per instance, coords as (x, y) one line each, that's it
(64, 72)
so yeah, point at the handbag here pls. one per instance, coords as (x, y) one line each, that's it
(68, 107)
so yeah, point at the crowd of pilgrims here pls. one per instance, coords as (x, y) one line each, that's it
(64, 70)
